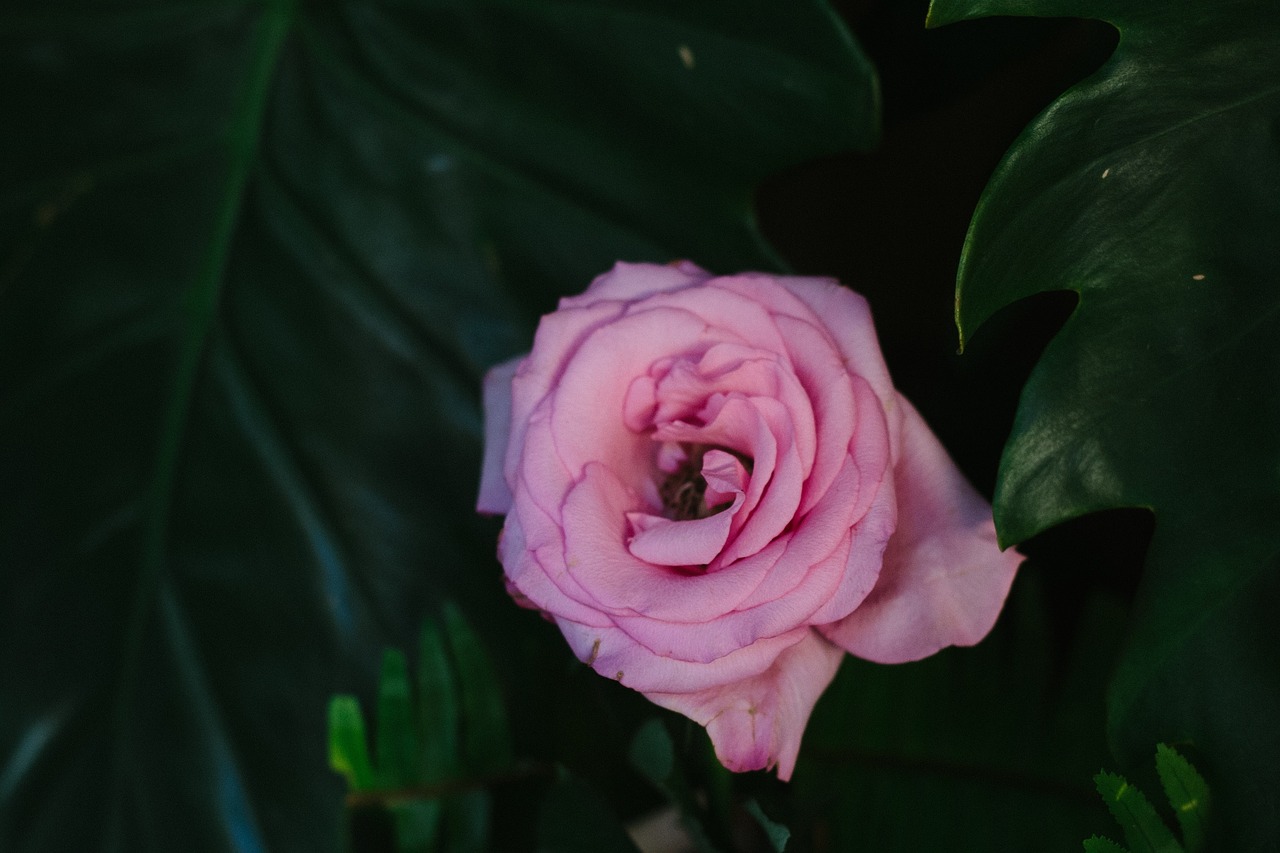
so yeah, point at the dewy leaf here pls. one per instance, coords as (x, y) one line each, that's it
(1143, 829)
(255, 257)
(1188, 795)
(1152, 189)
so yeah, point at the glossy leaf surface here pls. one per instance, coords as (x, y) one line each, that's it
(254, 259)
(1152, 190)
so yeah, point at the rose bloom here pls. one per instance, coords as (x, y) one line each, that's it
(713, 489)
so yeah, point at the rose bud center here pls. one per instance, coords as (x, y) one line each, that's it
(684, 490)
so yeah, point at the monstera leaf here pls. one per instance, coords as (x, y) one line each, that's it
(1152, 189)
(254, 260)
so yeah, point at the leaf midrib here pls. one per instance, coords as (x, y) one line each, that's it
(202, 297)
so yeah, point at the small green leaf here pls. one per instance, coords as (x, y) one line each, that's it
(437, 707)
(486, 741)
(574, 818)
(1098, 844)
(777, 834)
(1187, 793)
(396, 741)
(348, 749)
(652, 752)
(1143, 829)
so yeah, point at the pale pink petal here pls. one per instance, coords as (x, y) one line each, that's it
(627, 282)
(558, 337)
(707, 642)
(756, 427)
(757, 723)
(809, 572)
(536, 570)
(495, 494)
(589, 400)
(745, 320)
(848, 316)
(693, 542)
(614, 655)
(725, 476)
(869, 541)
(596, 556)
(944, 578)
(838, 406)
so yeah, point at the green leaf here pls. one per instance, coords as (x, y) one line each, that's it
(575, 819)
(348, 746)
(1143, 829)
(971, 750)
(777, 834)
(1152, 189)
(485, 740)
(1098, 844)
(255, 257)
(1188, 795)
(438, 703)
(396, 738)
(653, 753)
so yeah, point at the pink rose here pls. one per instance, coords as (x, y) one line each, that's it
(712, 487)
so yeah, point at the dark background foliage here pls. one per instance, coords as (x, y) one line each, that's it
(254, 260)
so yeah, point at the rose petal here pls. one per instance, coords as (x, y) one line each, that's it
(495, 496)
(813, 570)
(944, 578)
(614, 655)
(725, 476)
(628, 282)
(589, 400)
(756, 723)
(559, 335)
(693, 542)
(619, 583)
(848, 316)
(537, 570)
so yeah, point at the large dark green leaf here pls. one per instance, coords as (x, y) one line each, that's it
(254, 259)
(982, 749)
(1152, 189)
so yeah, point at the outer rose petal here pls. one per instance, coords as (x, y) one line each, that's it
(756, 723)
(627, 282)
(944, 578)
(495, 496)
